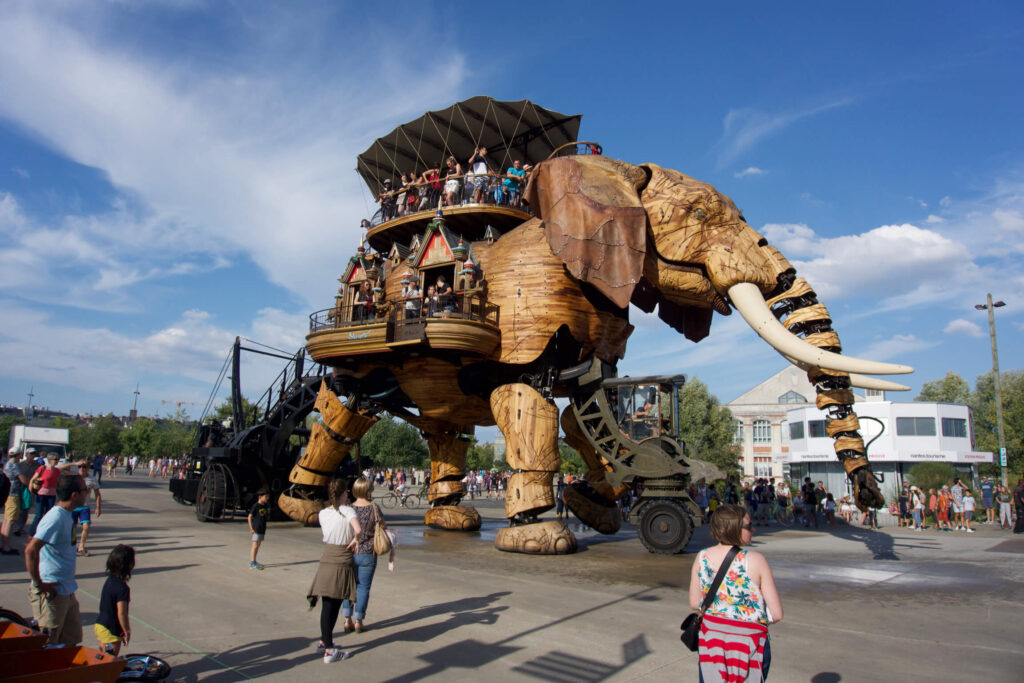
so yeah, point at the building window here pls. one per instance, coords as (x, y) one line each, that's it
(796, 431)
(915, 426)
(952, 426)
(738, 436)
(816, 429)
(762, 431)
(762, 470)
(792, 397)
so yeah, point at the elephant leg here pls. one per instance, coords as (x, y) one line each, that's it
(447, 469)
(593, 498)
(329, 446)
(530, 425)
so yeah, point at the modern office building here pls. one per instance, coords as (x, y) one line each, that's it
(900, 435)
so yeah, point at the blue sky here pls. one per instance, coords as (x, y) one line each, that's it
(174, 174)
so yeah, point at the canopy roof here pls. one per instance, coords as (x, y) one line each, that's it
(509, 130)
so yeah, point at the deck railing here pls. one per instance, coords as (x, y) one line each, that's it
(395, 203)
(459, 306)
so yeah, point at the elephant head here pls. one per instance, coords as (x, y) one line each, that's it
(656, 237)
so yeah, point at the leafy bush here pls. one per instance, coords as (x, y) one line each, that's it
(931, 475)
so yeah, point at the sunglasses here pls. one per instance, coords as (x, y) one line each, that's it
(748, 527)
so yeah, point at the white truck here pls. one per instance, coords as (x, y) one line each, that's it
(48, 439)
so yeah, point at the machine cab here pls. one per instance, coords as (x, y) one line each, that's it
(645, 407)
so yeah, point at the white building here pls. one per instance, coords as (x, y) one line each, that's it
(760, 414)
(911, 432)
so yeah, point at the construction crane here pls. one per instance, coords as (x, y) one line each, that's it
(179, 404)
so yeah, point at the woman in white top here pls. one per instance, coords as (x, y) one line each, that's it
(335, 578)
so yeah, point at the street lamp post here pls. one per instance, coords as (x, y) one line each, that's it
(999, 393)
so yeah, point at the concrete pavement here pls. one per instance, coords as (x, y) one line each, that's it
(859, 605)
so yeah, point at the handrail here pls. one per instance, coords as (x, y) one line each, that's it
(464, 306)
(434, 196)
(591, 148)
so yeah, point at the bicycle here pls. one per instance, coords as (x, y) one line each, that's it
(784, 515)
(410, 501)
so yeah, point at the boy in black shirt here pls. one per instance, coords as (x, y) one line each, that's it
(258, 516)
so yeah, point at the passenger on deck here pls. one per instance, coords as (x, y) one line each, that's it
(387, 201)
(430, 193)
(400, 200)
(451, 185)
(514, 182)
(413, 296)
(362, 304)
(412, 198)
(431, 302)
(479, 176)
(496, 192)
(444, 295)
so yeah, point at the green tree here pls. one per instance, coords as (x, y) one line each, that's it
(101, 435)
(479, 456)
(931, 475)
(706, 426)
(571, 461)
(223, 411)
(983, 407)
(138, 439)
(393, 443)
(950, 389)
(6, 423)
(171, 438)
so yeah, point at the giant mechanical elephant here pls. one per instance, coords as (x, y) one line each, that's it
(605, 234)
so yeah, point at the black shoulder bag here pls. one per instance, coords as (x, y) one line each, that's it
(691, 625)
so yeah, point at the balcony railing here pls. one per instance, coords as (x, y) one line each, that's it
(395, 204)
(458, 306)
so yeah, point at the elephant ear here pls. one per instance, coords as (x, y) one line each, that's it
(593, 220)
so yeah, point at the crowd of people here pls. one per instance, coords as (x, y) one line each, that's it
(951, 507)
(453, 185)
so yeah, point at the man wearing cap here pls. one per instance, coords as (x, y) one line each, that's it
(50, 561)
(13, 507)
(988, 500)
(387, 201)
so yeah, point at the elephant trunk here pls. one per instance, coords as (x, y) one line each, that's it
(799, 327)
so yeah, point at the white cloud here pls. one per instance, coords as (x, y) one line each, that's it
(749, 170)
(945, 202)
(932, 219)
(745, 127)
(36, 347)
(222, 158)
(899, 346)
(903, 262)
(22, 173)
(961, 326)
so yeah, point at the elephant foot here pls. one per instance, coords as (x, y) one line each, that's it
(597, 512)
(301, 509)
(865, 488)
(453, 518)
(540, 538)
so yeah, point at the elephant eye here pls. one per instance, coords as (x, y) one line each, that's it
(701, 214)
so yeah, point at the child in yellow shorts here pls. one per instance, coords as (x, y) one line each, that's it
(112, 626)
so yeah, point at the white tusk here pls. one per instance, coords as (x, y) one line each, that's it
(859, 381)
(747, 299)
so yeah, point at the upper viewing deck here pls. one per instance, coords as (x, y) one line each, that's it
(442, 182)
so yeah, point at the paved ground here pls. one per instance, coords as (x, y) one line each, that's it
(859, 605)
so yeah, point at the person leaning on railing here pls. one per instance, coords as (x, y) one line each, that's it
(513, 182)
(362, 303)
(413, 297)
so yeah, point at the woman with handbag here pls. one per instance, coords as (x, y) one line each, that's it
(370, 522)
(744, 600)
(335, 578)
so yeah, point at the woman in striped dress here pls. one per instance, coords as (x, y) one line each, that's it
(747, 601)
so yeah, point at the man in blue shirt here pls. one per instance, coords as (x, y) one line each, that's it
(988, 492)
(513, 182)
(50, 561)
